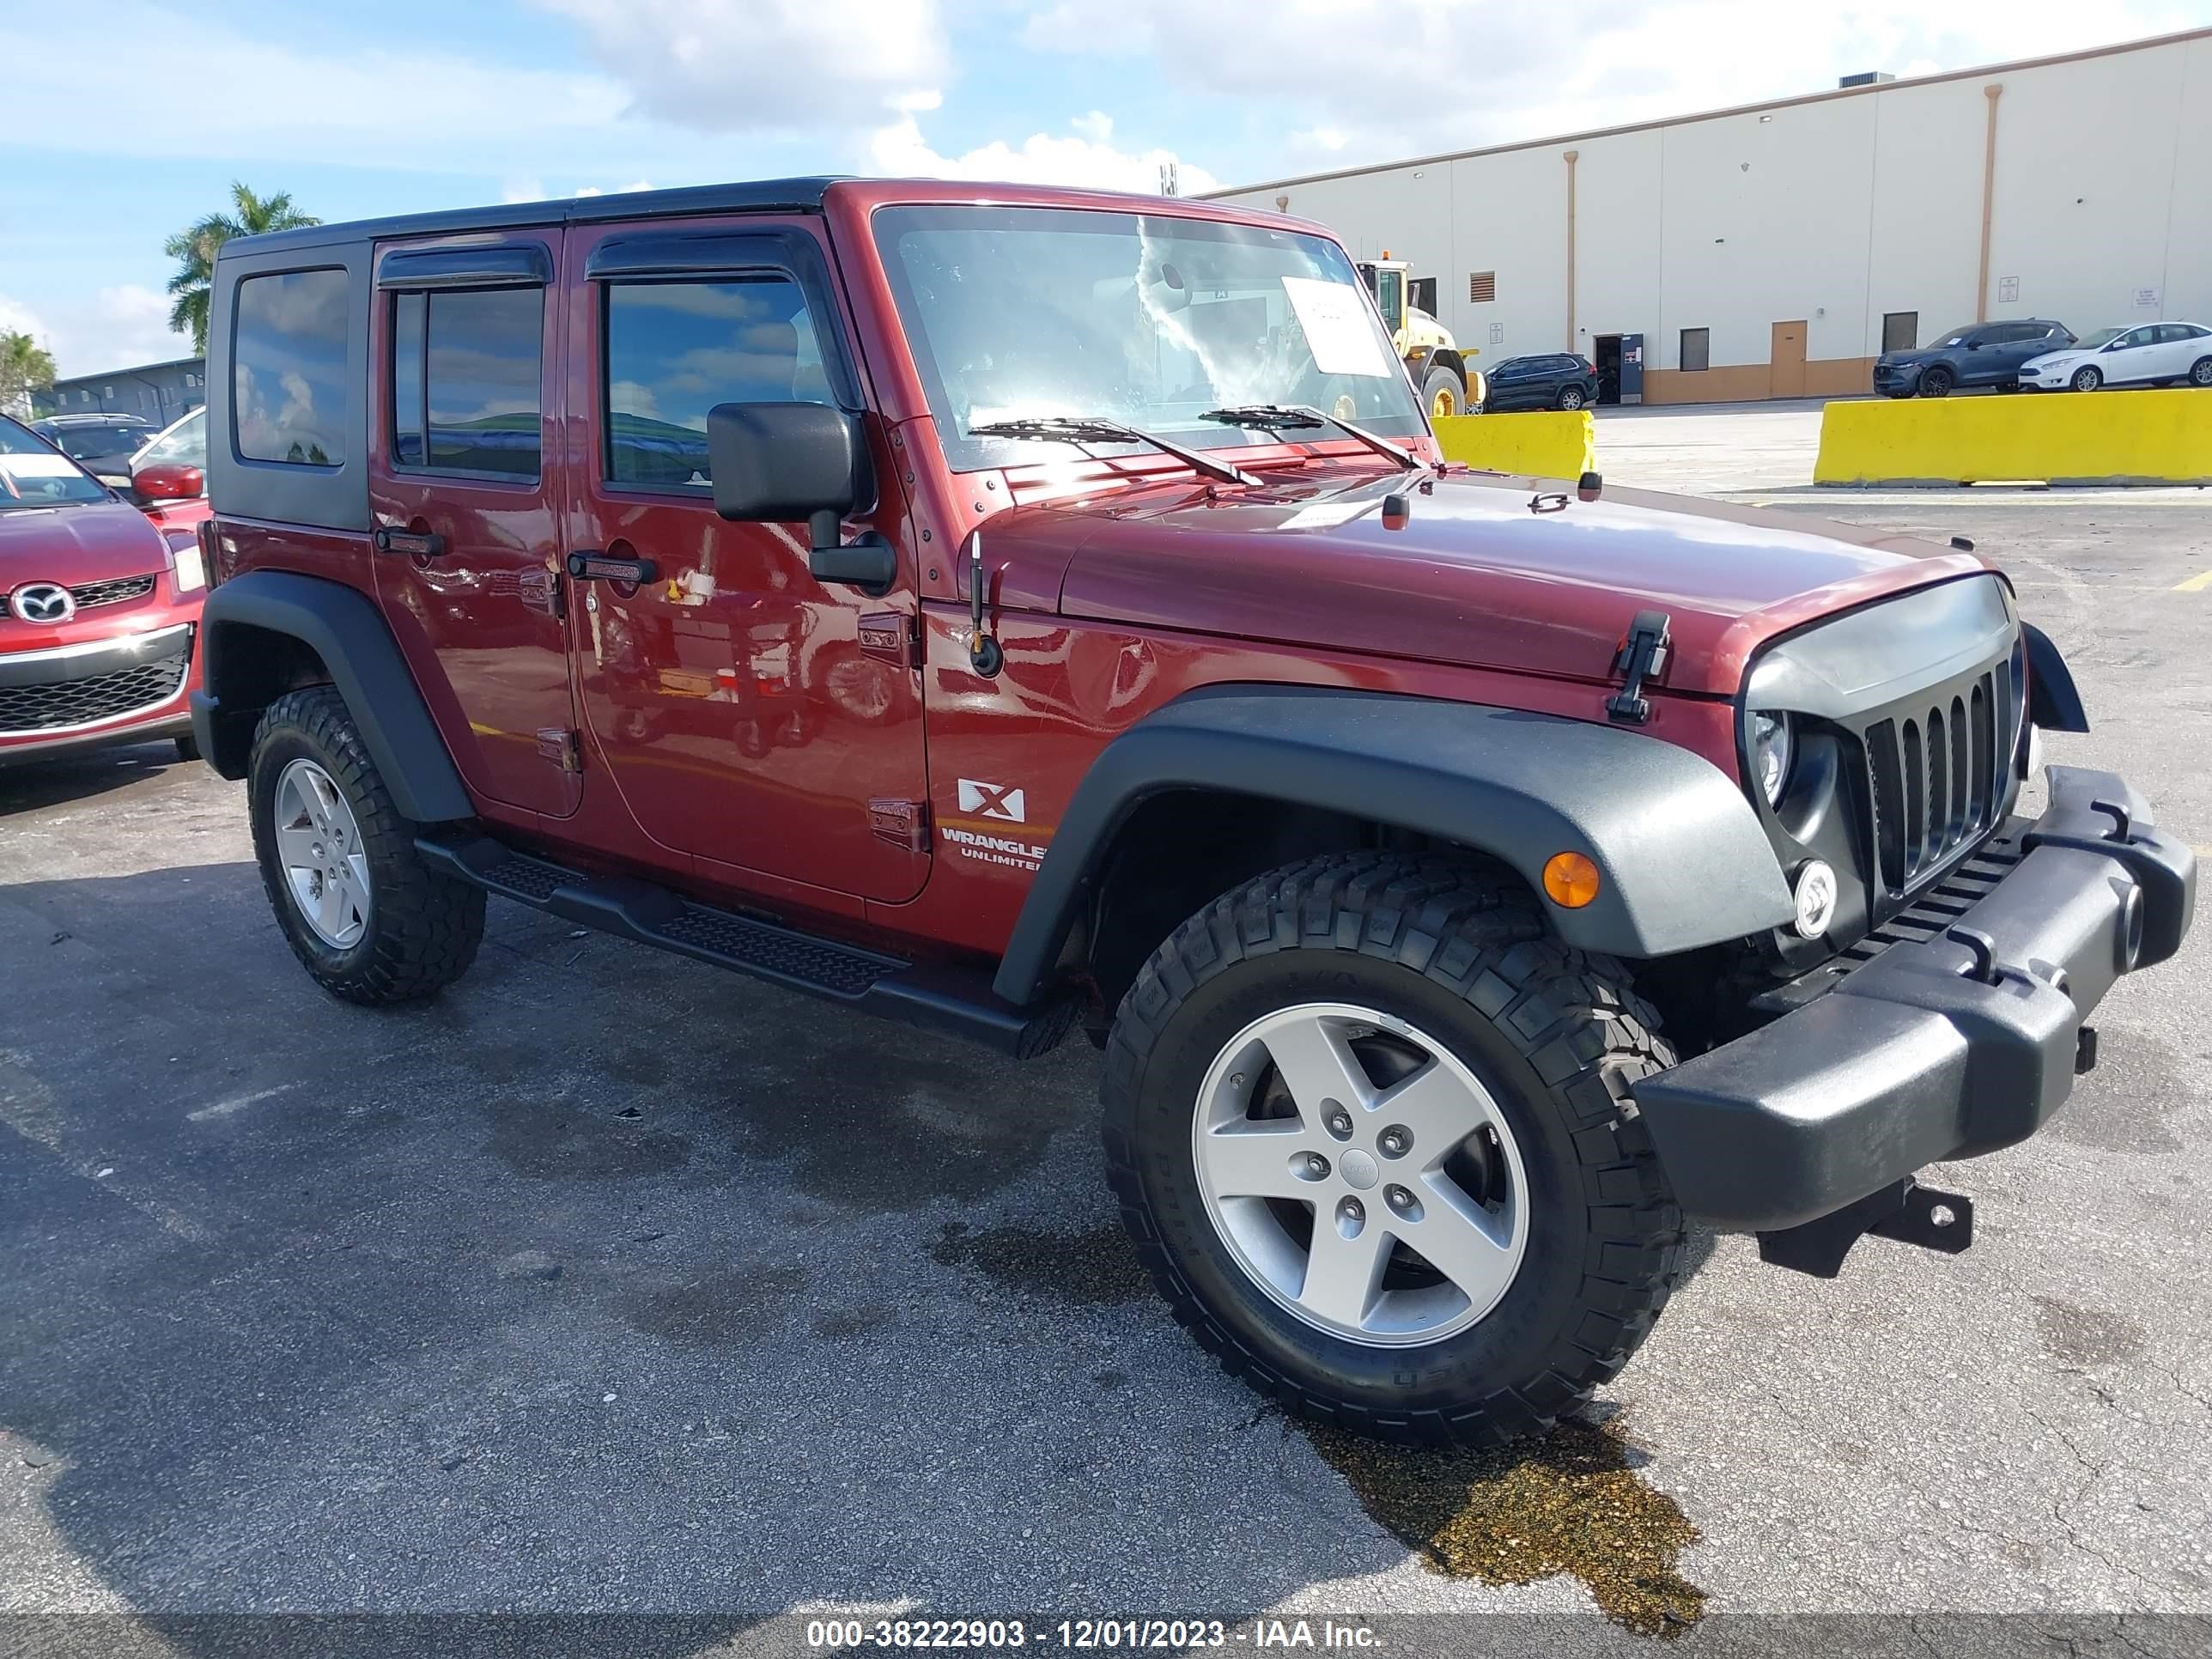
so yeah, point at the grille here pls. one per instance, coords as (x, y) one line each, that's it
(65, 703)
(116, 591)
(1937, 772)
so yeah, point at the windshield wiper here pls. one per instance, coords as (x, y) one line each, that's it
(1272, 417)
(1097, 429)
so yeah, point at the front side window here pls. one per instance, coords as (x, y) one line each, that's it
(287, 367)
(467, 366)
(182, 445)
(676, 349)
(1151, 320)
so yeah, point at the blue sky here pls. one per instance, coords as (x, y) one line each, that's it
(123, 120)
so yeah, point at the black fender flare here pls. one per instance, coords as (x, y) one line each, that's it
(1445, 357)
(1682, 858)
(2053, 702)
(344, 628)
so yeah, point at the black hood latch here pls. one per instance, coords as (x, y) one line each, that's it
(1643, 656)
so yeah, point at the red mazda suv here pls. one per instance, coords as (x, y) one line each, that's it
(101, 607)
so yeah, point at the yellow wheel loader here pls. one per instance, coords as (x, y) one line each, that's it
(1448, 383)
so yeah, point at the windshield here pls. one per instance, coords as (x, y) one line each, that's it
(32, 475)
(2102, 336)
(1023, 313)
(84, 442)
(184, 444)
(1957, 336)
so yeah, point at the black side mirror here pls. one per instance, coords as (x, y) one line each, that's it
(777, 463)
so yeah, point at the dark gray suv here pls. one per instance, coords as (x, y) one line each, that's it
(1984, 355)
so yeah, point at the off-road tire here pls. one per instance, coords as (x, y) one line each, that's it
(1557, 1034)
(1439, 383)
(423, 927)
(1935, 382)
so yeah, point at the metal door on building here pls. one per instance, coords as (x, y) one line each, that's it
(1785, 374)
(1631, 368)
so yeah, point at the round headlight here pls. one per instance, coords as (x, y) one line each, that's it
(1771, 748)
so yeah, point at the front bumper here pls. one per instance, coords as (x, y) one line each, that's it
(1896, 377)
(1952, 1031)
(120, 688)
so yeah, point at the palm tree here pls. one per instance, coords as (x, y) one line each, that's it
(25, 366)
(194, 250)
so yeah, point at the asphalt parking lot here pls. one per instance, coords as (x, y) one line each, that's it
(612, 1283)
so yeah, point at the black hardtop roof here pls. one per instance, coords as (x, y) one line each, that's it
(761, 195)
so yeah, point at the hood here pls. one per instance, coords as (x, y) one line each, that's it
(73, 546)
(2069, 356)
(1474, 576)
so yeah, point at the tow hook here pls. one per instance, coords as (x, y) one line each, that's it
(1903, 1210)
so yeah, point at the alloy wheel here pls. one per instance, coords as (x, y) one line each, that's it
(1361, 1175)
(318, 845)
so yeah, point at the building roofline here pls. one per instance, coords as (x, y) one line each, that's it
(1588, 136)
(135, 368)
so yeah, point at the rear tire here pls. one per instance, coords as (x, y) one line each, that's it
(1464, 980)
(2088, 378)
(2200, 372)
(1571, 398)
(401, 931)
(1935, 382)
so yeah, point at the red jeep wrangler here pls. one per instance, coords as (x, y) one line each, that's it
(1001, 609)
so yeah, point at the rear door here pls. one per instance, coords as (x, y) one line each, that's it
(2179, 346)
(465, 361)
(748, 714)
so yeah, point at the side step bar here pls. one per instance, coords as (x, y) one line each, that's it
(937, 997)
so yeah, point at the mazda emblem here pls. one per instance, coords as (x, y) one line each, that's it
(42, 602)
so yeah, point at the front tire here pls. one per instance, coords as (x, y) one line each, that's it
(1476, 1279)
(1443, 393)
(365, 914)
(1935, 382)
(2088, 378)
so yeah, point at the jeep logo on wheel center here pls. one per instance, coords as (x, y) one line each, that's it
(1438, 1005)
(42, 602)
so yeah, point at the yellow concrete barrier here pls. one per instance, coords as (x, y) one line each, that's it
(1546, 443)
(2050, 437)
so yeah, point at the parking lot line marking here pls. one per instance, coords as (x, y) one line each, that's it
(225, 1107)
(2196, 584)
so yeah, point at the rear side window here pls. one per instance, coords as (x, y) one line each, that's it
(676, 349)
(467, 370)
(287, 367)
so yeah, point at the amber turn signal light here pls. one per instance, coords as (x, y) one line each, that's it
(1571, 880)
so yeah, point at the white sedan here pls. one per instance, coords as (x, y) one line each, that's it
(2156, 354)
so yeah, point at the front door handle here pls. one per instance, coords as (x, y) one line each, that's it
(589, 565)
(413, 543)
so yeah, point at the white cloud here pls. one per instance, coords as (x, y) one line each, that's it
(117, 327)
(766, 65)
(1361, 81)
(1042, 158)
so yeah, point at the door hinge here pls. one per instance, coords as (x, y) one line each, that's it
(902, 822)
(1643, 656)
(892, 635)
(541, 590)
(560, 746)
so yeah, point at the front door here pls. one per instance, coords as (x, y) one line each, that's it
(467, 542)
(746, 714)
(1786, 378)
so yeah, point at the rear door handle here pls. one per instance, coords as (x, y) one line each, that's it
(414, 544)
(589, 565)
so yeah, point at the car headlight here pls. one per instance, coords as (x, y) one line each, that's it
(187, 570)
(1772, 742)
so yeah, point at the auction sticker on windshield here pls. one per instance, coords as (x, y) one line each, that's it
(1338, 327)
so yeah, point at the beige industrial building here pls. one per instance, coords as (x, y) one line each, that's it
(1773, 251)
